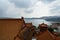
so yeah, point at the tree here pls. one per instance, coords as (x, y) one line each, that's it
(51, 29)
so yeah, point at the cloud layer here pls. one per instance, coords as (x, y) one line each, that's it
(29, 8)
(47, 1)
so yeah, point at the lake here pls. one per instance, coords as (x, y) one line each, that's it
(36, 22)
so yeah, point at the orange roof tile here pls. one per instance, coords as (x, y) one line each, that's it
(43, 25)
(45, 36)
(57, 38)
(28, 24)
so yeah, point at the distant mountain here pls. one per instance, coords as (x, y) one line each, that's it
(49, 18)
(52, 18)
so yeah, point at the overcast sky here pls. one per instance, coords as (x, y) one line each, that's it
(29, 8)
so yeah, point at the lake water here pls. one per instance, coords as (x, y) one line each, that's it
(36, 22)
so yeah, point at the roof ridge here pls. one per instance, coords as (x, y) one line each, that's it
(51, 34)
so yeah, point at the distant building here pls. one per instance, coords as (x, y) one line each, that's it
(55, 25)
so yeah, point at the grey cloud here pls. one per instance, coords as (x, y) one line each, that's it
(5, 11)
(29, 10)
(21, 3)
(27, 4)
(47, 1)
(55, 10)
(8, 9)
(3, 8)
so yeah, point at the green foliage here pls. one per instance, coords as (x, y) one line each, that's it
(56, 28)
(51, 29)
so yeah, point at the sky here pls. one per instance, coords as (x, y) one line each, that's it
(29, 8)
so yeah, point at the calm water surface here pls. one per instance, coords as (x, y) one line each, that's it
(36, 22)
